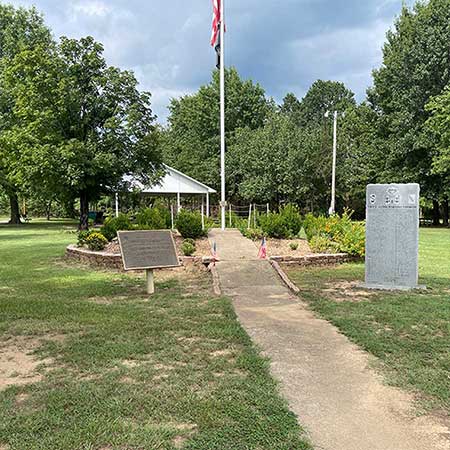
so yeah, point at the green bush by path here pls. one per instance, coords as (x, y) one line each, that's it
(189, 224)
(335, 233)
(127, 372)
(114, 224)
(96, 241)
(187, 248)
(156, 218)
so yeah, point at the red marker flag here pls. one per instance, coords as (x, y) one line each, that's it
(262, 254)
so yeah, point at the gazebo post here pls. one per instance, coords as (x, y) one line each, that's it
(207, 204)
(117, 204)
(203, 215)
(178, 202)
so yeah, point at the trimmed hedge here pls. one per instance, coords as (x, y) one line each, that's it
(189, 224)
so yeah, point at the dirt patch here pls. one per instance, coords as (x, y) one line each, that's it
(281, 247)
(219, 353)
(18, 364)
(347, 291)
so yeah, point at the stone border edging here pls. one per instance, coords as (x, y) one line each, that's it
(215, 278)
(286, 280)
(318, 259)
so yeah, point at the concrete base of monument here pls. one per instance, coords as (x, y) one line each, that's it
(385, 287)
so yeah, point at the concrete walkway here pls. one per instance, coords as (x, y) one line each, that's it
(342, 403)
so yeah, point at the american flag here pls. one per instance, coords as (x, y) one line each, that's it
(262, 254)
(215, 22)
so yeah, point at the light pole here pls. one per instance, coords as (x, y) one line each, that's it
(332, 209)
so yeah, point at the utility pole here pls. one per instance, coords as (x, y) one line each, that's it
(222, 114)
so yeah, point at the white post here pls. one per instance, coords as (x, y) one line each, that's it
(333, 175)
(203, 215)
(268, 209)
(150, 281)
(207, 204)
(254, 215)
(222, 112)
(178, 202)
(117, 204)
(171, 216)
(229, 209)
(249, 215)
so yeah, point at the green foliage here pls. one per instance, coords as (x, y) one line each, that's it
(293, 245)
(189, 224)
(190, 241)
(187, 248)
(96, 241)
(156, 218)
(82, 237)
(292, 218)
(191, 141)
(274, 225)
(252, 233)
(335, 233)
(79, 124)
(415, 69)
(114, 224)
(283, 225)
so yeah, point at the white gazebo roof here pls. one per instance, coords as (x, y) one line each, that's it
(173, 182)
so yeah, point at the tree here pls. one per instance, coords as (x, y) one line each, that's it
(192, 140)
(321, 97)
(439, 126)
(79, 124)
(279, 163)
(415, 68)
(19, 29)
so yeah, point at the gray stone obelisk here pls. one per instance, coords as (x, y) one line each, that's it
(392, 236)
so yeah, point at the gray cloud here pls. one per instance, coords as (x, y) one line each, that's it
(283, 44)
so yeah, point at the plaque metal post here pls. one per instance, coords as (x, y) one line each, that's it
(150, 281)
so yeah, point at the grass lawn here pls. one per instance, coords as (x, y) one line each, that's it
(408, 331)
(87, 361)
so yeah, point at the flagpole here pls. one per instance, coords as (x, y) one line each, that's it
(222, 114)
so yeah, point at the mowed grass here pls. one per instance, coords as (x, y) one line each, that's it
(408, 331)
(120, 371)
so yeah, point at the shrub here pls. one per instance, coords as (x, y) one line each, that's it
(340, 233)
(187, 248)
(114, 224)
(273, 225)
(96, 241)
(189, 224)
(291, 218)
(82, 237)
(293, 245)
(156, 218)
(190, 241)
(252, 233)
(321, 244)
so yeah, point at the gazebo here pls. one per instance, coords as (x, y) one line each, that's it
(173, 183)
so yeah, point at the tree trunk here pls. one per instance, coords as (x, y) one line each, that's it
(436, 213)
(445, 211)
(15, 211)
(84, 212)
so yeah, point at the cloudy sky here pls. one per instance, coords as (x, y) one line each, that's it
(283, 44)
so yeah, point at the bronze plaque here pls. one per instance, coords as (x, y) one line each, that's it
(147, 249)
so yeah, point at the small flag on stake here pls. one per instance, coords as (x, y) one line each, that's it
(214, 253)
(262, 254)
